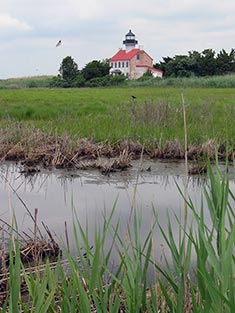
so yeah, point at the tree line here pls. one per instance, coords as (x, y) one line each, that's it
(94, 74)
(205, 63)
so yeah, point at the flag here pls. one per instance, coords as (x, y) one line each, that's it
(58, 43)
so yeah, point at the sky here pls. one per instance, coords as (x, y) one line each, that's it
(94, 30)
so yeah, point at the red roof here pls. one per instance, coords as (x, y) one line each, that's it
(149, 67)
(121, 55)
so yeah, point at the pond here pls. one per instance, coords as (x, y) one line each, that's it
(58, 194)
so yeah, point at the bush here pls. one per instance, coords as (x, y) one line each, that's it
(117, 80)
(79, 81)
(58, 82)
(97, 82)
(106, 81)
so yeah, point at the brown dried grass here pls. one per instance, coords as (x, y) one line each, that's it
(33, 148)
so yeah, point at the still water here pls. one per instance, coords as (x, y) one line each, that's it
(58, 194)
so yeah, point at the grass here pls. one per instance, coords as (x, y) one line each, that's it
(155, 117)
(92, 287)
(109, 114)
(225, 81)
(25, 82)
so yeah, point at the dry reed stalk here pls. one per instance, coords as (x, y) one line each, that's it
(185, 163)
(133, 203)
(35, 254)
(23, 203)
(187, 293)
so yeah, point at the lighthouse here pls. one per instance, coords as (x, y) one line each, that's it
(132, 61)
(130, 42)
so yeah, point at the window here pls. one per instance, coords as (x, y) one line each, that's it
(119, 64)
(115, 64)
(123, 64)
(111, 64)
(137, 56)
(126, 64)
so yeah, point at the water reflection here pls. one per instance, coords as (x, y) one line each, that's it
(57, 193)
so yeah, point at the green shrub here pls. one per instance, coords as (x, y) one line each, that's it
(117, 80)
(79, 81)
(97, 82)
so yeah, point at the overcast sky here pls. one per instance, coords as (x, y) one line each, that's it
(94, 30)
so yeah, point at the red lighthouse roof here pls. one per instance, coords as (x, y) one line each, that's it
(121, 55)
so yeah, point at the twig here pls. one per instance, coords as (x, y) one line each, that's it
(21, 200)
(12, 228)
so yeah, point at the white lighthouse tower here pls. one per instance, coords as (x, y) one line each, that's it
(130, 42)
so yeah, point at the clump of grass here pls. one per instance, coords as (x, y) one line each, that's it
(150, 113)
(211, 288)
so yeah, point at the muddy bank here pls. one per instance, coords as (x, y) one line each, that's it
(35, 149)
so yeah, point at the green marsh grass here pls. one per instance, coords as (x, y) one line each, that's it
(25, 82)
(110, 114)
(179, 285)
(225, 81)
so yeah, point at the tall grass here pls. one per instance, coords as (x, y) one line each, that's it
(225, 81)
(111, 114)
(92, 284)
(25, 82)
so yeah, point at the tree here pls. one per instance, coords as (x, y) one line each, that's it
(179, 66)
(95, 69)
(163, 64)
(225, 62)
(68, 69)
(195, 57)
(196, 64)
(207, 63)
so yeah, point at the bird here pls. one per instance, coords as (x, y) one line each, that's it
(133, 97)
(58, 43)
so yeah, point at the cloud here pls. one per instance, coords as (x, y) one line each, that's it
(9, 23)
(93, 29)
